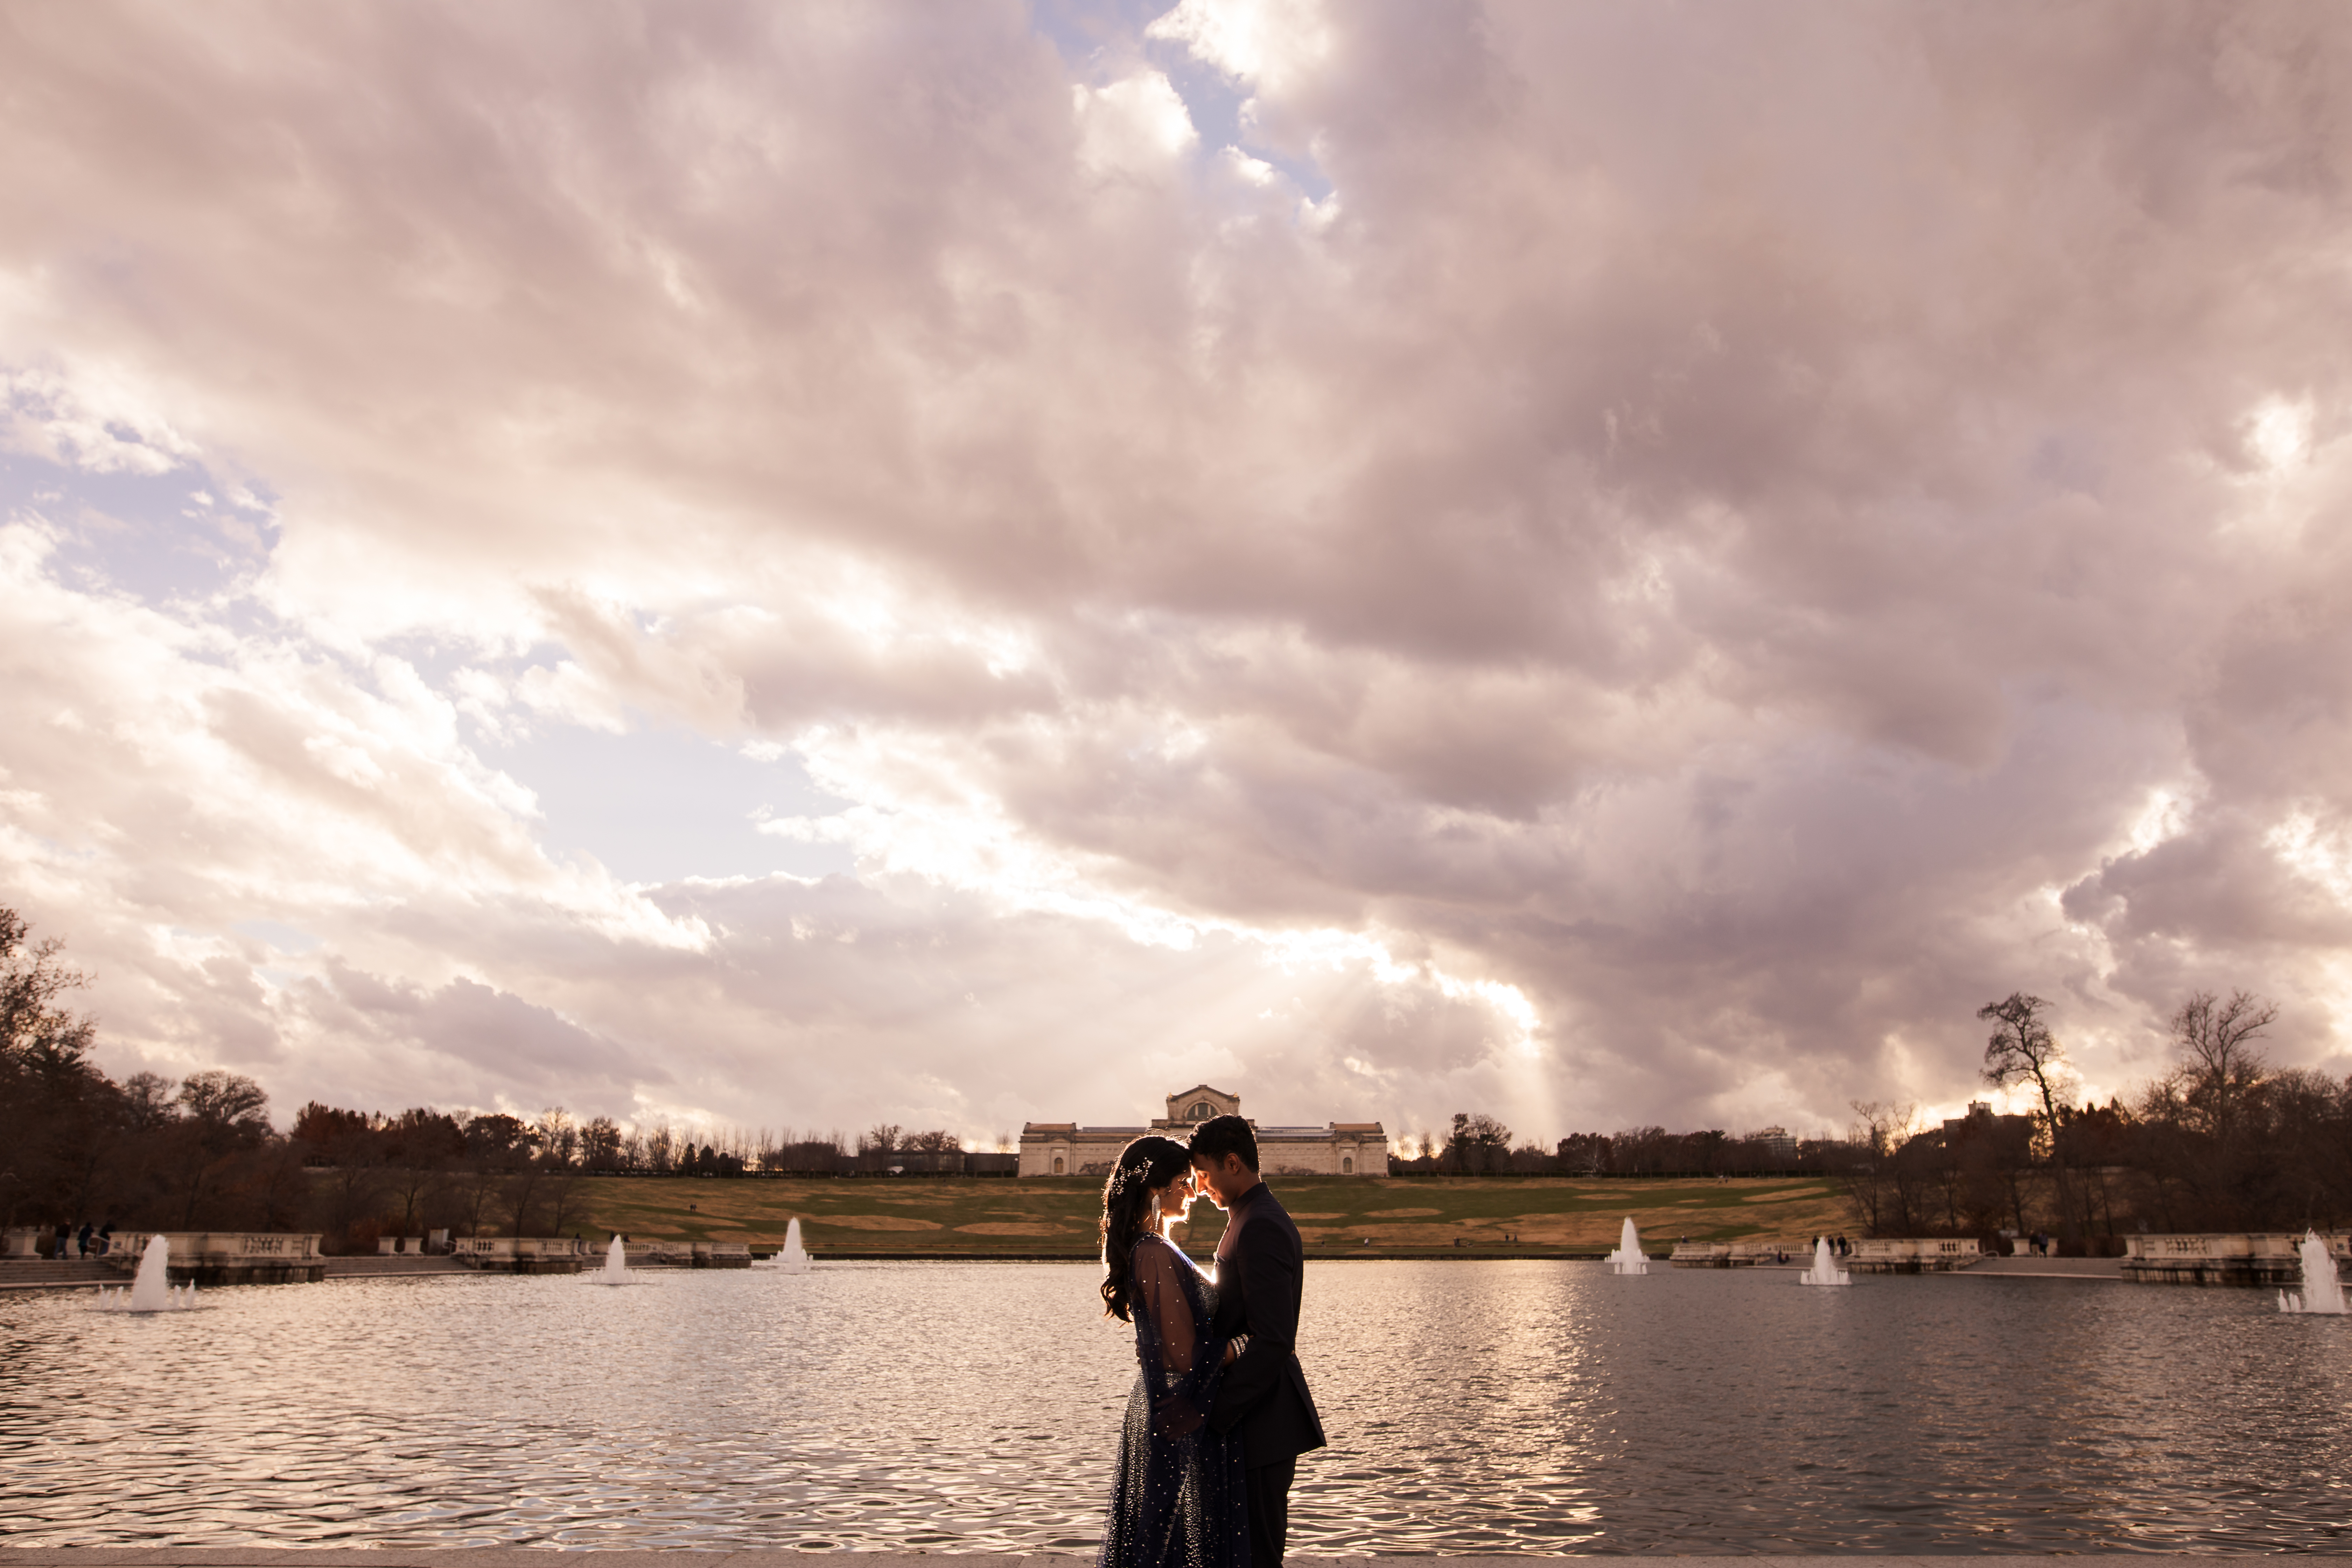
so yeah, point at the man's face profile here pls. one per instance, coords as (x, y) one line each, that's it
(1224, 1178)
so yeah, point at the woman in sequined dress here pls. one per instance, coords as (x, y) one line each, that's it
(1176, 1496)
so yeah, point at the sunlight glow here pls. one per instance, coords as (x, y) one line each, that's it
(2279, 433)
(967, 841)
(1133, 124)
(2313, 854)
(2164, 816)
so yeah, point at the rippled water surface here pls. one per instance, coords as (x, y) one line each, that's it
(1472, 1406)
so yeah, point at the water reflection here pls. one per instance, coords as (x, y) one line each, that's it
(1475, 1407)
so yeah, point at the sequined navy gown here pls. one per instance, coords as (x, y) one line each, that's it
(1176, 1496)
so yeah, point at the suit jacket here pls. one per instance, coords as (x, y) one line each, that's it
(1263, 1395)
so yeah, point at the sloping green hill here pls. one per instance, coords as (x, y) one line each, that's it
(1056, 1217)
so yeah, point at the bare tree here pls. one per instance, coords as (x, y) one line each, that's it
(479, 1182)
(521, 1188)
(414, 1184)
(2218, 1060)
(1878, 1182)
(559, 1134)
(34, 1033)
(560, 1188)
(353, 1149)
(2023, 1050)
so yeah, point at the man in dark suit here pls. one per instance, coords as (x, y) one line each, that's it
(1262, 1395)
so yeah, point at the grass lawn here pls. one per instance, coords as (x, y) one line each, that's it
(1041, 1216)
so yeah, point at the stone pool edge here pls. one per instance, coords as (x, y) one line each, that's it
(642, 1557)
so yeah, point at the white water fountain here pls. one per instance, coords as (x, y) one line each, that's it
(794, 1257)
(152, 1290)
(1824, 1270)
(617, 1264)
(2322, 1291)
(1628, 1259)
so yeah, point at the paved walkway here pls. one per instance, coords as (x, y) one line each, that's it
(41, 1274)
(537, 1557)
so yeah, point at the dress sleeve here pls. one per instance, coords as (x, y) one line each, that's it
(1182, 1359)
(1162, 1295)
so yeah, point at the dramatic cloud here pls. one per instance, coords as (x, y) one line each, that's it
(954, 565)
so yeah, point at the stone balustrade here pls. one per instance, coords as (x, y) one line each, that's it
(226, 1258)
(660, 1254)
(523, 1254)
(1912, 1255)
(1737, 1253)
(2224, 1257)
(663, 1253)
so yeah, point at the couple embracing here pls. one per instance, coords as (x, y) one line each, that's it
(1221, 1413)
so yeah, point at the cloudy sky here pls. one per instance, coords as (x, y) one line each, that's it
(951, 565)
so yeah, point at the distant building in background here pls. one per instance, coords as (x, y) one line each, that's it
(1334, 1149)
(1777, 1140)
(1982, 1122)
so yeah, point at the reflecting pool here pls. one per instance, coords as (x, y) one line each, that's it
(1474, 1407)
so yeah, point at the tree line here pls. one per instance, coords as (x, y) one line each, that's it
(2220, 1140)
(1477, 1145)
(76, 1145)
(201, 1153)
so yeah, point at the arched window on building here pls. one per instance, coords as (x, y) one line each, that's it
(1201, 1111)
(1347, 1164)
(1058, 1165)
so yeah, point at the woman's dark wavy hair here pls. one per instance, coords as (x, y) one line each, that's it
(1148, 1162)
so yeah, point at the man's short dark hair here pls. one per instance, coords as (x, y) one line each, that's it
(1222, 1135)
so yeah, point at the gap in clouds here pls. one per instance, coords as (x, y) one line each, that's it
(657, 804)
(178, 535)
(1104, 40)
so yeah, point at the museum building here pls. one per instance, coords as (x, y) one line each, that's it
(1334, 1149)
